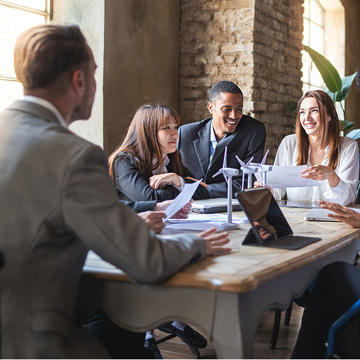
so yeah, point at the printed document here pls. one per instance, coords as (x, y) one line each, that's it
(182, 199)
(287, 176)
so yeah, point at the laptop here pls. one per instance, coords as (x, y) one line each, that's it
(319, 215)
(215, 205)
(269, 226)
(298, 204)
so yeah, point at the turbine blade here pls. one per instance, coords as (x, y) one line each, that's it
(218, 173)
(240, 161)
(249, 161)
(225, 158)
(264, 158)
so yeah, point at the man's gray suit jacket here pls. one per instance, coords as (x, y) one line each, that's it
(57, 202)
(194, 145)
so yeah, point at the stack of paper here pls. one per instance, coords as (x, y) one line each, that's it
(201, 222)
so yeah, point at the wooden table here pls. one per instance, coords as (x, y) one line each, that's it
(226, 296)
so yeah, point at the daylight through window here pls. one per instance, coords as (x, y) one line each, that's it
(16, 16)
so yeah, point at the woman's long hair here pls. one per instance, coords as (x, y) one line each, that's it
(328, 131)
(141, 140)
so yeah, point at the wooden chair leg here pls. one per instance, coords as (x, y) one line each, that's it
(275, 331)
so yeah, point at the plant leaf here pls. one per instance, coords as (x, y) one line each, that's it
(327, 70)
(346, 84)
(331, 94)
(354, 134)
(345, 125)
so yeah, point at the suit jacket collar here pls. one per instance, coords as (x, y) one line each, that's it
(202, 144)
(34, 109)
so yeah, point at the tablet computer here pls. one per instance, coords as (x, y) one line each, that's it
(269, 226)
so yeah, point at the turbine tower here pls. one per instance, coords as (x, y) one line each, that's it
(228, 174)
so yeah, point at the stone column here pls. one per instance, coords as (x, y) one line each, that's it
(135, 44)
(352, 56)
(140, 61)
(89, 15)
(277, 84)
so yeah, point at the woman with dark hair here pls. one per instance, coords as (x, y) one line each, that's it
(147, 166)
(331, 159)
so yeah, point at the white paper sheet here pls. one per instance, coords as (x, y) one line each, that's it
(201, 222)
(182, 199)
(196, 218)
(197, 226)
(287, 176)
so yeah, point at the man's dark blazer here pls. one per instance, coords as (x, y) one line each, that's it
(194, 145)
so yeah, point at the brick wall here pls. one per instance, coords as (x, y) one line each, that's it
(254, 43)
(277, 65)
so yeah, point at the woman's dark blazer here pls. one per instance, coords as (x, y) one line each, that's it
(131, 184)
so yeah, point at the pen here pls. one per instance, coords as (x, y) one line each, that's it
(192, 179)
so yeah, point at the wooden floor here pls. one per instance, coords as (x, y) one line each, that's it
(175, 349)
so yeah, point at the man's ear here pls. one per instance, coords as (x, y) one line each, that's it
(78, 81)
(210, 107)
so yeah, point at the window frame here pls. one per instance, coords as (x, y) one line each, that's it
(308, 21)
(47, 13)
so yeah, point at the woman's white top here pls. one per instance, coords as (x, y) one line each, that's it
(347, 170)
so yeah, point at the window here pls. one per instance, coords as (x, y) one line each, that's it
(16, 16)
(314, 36)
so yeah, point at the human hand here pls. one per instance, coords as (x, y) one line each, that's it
(161, 206)
(321, 172)
(181, 214)
(160, 180)
(342, 213)
(215, 242)
(259, 184)
(184, 212)
(154, 220)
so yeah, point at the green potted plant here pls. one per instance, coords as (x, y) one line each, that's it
(338, 88)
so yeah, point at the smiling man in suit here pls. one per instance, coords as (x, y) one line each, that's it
(202, 144)
(58, 201)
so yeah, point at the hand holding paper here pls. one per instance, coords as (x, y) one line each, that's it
(321, 172)
(182, 199)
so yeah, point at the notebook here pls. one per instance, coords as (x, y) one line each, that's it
(215, 205)
(269, 226)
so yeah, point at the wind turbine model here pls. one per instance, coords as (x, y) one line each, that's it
(263, 168)
(248, 170)
(228, 174)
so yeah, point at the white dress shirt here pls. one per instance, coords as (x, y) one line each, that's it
(46, 104)
(213, 143)
(347, 170)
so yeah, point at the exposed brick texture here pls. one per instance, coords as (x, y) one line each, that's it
(256, 44)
